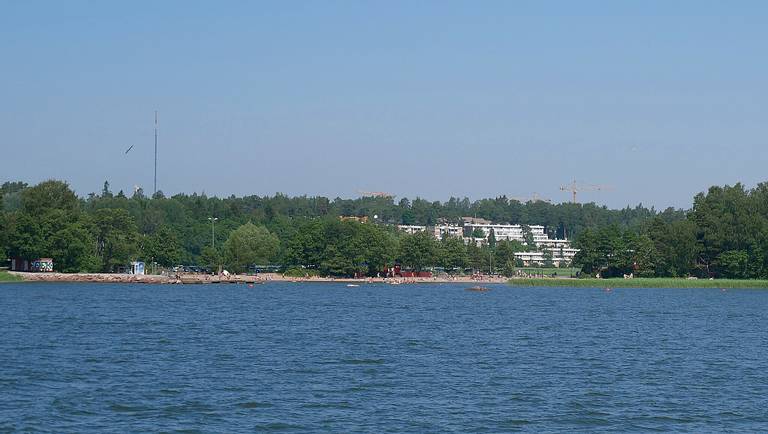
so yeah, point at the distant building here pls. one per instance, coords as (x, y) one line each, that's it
(136, 267)
(411, 229)
(562, 253)
(475, 221)
(448, 231)
(508, 232)
(553, 244)
(560, 258)
(40, 265)
(363, 219)
(19, 264)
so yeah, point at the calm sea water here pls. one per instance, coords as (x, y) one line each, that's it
(378, 358)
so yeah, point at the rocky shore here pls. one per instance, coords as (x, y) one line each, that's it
(186, 278)
(189, 278)
(91, 277)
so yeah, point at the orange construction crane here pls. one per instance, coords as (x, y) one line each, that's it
(376, 194)
(575, 187)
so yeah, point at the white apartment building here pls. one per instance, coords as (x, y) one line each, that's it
(508, 232)
(562, 252)
(448, 231)
(560, 257)
(411, 229)
(553, 244)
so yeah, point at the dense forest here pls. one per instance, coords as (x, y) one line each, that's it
(724, 234)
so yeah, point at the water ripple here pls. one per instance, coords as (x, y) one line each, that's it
(414, 358)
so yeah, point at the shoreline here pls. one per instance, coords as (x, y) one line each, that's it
(198, 279)
(649, 282)
(552, 282)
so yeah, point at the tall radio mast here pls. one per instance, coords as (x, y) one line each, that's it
(155, 192)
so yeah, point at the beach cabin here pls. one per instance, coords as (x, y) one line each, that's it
(39, 265)
(20, 264)
(136, 267)
(42, 265)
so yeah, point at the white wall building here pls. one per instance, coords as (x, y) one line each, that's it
(560, 258)
(411, 229)
(562, 252)
(448, 231)
(508, 232)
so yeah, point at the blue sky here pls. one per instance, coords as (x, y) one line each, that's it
(657, 99)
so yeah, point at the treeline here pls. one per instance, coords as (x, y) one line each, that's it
(107, 231)
(561, 220)
(724, 235)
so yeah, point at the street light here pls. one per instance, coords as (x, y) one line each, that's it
(213, 231)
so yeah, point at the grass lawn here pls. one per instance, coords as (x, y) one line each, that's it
(642, 283)
(566, 272)
(5, 277)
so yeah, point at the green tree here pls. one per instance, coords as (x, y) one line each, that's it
(9, 187)
(644, 256)
(210, 258)
(4, 233)
(49, 195)
(733, 264)
(479, 257)
(530, 243)
(105, 192)
(248, 245)
(162, 247)
(418, 251)
(606, 251)
(492, 239)
(675, 246)
(453, 254)
(116, 238)
(729, 219)
(25, 237)
(379, 248)
(505, 250)
(307, 245)
(73, 249)
(548, 260)
(345, 249)
(508, 268)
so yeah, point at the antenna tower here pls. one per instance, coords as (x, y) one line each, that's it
(155, 192)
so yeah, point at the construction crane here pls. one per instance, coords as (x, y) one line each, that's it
(383, 194)
(535, 197)
(575, 187)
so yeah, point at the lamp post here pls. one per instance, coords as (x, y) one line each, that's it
(490, 261)
(213, 231)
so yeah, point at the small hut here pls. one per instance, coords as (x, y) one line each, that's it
(42, 265)
(136, 267)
